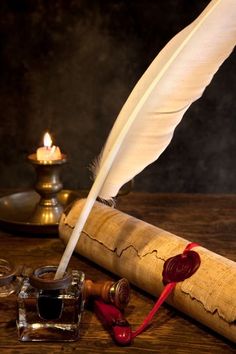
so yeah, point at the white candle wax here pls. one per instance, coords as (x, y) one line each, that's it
(48, 152)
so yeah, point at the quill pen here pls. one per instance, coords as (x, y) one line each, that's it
(146, 123)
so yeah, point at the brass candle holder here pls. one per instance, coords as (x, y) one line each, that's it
(48, 185)
(38, 210)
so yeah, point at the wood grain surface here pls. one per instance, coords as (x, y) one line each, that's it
(207, 219)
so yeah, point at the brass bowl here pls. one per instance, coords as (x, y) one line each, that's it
(16, 211)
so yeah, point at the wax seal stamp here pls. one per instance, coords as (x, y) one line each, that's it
(180, 267)
(120, 293)
(116, 293)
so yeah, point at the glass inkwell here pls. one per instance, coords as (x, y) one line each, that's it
(50, 309)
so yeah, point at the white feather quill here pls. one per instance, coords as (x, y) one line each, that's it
(146, 123)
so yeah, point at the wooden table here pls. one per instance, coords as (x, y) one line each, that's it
(207, 219)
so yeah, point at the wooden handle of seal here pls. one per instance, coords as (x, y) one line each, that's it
(100, 288)
(117, 293)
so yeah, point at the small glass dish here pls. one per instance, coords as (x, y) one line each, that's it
(8, 281)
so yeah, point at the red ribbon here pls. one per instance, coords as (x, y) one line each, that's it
(176, 269)
(170, 285)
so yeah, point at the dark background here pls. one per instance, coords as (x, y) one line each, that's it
(68, 66)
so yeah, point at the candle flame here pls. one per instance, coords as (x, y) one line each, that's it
(47, 141)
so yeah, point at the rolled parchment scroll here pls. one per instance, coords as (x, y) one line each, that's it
(136, 250)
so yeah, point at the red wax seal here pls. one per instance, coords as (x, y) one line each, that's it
(180, 267)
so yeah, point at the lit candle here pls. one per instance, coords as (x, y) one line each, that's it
(48, 152)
